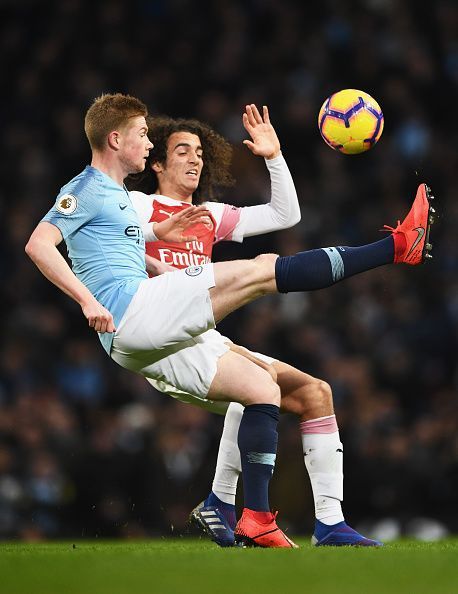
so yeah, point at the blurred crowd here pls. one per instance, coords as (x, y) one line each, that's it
(88, 449)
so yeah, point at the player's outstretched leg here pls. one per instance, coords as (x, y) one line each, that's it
(242, 281)
(407, 244)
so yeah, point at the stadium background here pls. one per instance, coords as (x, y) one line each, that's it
(89, 450)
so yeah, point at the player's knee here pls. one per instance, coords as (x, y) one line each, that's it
(317, 396)
(264, 272)
(272, 372)
(274, 393)
(266, 391)
(266, 261)
(256, 274)
(323, 393)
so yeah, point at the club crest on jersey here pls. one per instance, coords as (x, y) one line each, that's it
(67, 204)
(193, 270)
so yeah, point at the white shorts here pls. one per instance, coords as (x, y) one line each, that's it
(167, 335)
(204, 358)
(159, 335)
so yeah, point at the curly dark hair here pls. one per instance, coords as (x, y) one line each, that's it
(217, 153)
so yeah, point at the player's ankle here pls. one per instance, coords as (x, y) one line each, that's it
(321, 529)
(216, 500)
(262, 517)
(400, 245)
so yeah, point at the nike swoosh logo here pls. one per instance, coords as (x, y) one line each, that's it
(421, 232)
(122, 206)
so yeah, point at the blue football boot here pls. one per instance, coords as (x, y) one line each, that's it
(340, 535)
(216, 519)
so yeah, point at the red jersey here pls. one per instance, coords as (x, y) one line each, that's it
(219, 225)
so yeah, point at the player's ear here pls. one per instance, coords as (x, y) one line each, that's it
(113, 140)
(157, 167)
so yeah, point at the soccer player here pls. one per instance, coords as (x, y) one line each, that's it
(144, 323)
(188, 160)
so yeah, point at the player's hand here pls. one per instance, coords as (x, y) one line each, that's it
(264, 140)
(98, 317)
(174, 228)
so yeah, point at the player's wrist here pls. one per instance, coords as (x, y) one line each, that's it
(154, 233)
(86, 301)
(273, 155)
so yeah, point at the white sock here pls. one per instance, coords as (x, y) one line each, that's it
(323, 456)
(228, 464)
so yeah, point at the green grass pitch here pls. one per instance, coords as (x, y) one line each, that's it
(188, 566)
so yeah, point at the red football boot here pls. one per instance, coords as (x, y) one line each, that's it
(259, 529)
(411, 237)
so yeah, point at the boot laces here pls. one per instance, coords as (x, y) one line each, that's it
(392, 229)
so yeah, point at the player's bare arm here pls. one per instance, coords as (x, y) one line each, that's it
(264, 140)
(42, 249)
(174, 228)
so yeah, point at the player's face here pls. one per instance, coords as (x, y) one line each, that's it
(134, 145)
(181, 173)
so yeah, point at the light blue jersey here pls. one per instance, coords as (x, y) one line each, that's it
(104, 240)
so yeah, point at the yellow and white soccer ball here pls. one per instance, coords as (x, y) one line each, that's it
(350, 121)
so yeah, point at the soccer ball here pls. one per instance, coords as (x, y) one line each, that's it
(350, 121)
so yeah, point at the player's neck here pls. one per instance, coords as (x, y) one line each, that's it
(175, 193)
(106, 165)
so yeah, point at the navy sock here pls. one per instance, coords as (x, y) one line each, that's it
(257, 442)
(318, 269)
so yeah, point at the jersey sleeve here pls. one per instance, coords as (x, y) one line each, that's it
(226, 218)
(283, 211)
(73, 210)
(143, 204)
